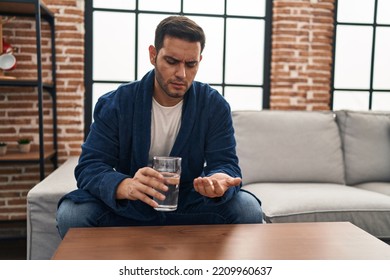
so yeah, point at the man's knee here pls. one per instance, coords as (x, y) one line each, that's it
(248, 208)
(70, 214)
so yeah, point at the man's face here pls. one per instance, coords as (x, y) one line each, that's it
(176, 65)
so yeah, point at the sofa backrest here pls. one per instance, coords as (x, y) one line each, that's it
(288, 146)
(366, 144)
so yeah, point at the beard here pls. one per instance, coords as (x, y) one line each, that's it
(178, 93)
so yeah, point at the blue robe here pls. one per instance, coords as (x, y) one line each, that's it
(119, 141)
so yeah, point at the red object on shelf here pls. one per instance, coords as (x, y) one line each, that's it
(7, 48)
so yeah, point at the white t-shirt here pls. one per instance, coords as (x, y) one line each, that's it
(166, 123)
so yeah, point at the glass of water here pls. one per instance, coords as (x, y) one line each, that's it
(170, 168)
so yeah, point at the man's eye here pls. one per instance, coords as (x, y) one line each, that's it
(171, 61)
(191, 64)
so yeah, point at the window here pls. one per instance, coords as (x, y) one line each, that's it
(236, 59)
(362, 57)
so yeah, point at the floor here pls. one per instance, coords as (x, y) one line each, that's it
(13, 241)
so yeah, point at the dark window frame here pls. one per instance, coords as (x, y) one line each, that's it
(374, 25)
(88, 66)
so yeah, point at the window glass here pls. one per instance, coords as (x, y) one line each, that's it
(233, 64)
(210, 69)
(356, 54)
(115, 4)
(244, 51)
(204, 6)
(244, 98)
(147, 24)
(356, 11)
(381, 101)
(160, 5)
(352, 100)
(246, 7)
(382, 58)
(383, 16)
(353, 57)
(113, 46)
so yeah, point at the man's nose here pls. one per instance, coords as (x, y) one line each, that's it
(181, 70)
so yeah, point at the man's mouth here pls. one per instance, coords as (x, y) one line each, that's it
(178, 85)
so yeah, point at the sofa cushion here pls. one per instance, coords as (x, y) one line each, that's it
(366, 143)
(379, 187)
(286, 146)
(290, 203)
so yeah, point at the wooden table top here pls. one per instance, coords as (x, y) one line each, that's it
(289, 241)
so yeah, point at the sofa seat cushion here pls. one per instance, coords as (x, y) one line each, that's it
(280, 146)
(366, 143)
(315, 202)
(379, 187)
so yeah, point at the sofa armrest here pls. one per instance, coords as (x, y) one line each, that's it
(42, 235)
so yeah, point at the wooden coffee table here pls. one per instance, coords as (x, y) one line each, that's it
(295, 241)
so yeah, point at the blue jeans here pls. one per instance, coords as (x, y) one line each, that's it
(243, 208)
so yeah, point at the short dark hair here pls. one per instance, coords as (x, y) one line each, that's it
(179, 27)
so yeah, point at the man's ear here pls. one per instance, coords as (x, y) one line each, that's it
(152, 54)
(200, 58)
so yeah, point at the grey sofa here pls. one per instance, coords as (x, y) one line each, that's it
(318, 166)
(304, 166)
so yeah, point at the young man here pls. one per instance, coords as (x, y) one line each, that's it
(164, 114)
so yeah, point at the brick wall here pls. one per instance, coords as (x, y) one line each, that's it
(18, 116)
(300, 79)
(301, 54)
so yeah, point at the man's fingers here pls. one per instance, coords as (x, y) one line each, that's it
(146, 184)
(149, 200)
(218, 189)
(208, 187)
(137, 195)
(198, 184)
(138, 191)
(233, 181)
(150, 177)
